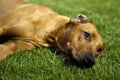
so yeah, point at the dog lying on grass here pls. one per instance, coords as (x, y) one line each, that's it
(24, 26)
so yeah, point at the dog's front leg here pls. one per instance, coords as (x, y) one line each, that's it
(12, 46)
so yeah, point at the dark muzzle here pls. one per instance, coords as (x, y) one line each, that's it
(87, 61)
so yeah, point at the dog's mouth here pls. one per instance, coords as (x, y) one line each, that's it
(79, 60)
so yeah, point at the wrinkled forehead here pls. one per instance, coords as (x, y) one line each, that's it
(88, 27)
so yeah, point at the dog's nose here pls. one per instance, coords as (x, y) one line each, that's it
(88, 61)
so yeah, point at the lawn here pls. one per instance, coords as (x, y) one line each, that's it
(44, 64)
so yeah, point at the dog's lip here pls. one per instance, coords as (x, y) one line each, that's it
(78, 54)
(75, 56)
(69, 52)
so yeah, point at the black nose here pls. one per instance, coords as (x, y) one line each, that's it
(88, 61)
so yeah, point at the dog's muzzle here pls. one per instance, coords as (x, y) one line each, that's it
(85, 62)
(88, 61)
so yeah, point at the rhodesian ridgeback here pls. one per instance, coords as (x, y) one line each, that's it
(24, 26)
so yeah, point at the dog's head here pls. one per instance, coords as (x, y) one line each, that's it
(81, 40)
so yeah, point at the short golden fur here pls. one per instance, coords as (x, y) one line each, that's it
(24, 26)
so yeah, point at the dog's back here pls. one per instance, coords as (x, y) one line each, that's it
(8, 5)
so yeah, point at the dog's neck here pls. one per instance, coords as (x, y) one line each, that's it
(58, 32)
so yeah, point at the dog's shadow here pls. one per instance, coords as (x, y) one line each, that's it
(69, 61)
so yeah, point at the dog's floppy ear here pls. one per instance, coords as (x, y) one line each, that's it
(70, 23)
(82, 18)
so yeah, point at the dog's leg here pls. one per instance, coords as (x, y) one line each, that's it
(6, 49)
(11, 46)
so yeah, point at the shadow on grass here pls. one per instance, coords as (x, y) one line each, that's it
(69, 61)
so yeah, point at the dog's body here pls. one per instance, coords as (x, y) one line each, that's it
(25, 26)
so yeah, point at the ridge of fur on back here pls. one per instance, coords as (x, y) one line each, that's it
(8, 5)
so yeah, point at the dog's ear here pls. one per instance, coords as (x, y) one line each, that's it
(82, 18)
(70, 23)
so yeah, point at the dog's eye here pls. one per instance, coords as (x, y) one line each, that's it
(87, 36)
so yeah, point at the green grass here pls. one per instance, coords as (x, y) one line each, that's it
(43, 64)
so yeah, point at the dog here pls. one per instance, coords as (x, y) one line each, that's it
(24, 26)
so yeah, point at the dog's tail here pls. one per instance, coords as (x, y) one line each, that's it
(8, 5)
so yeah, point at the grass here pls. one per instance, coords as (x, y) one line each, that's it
(43, 64)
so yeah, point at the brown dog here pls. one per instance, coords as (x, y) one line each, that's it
(24, 26)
